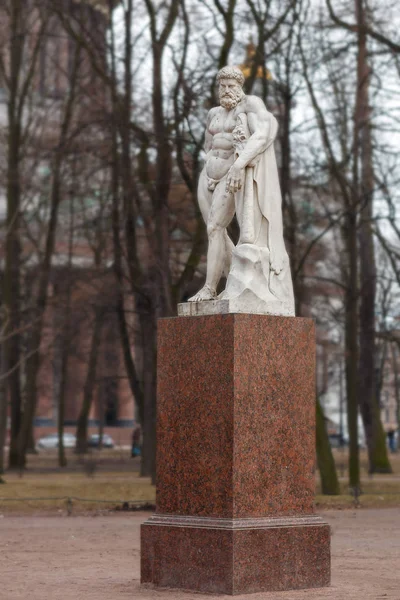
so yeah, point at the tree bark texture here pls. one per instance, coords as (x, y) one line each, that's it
(149, 332)
(90, 383)
(351, 347)
(3, 411)
(33, 362)
(367, 386)
(12, 274)
(325, 461)
(62, 459)
(395, 366)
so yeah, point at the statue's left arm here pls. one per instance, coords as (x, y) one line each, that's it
(259, 121)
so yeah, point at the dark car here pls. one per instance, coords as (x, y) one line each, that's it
(338, 441)
(107, 441)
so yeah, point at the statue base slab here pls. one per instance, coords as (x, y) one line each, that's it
(235, 556)
(235, 306)
(235, 458)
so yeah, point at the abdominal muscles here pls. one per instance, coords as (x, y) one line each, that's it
(222, 156)
(217, 167)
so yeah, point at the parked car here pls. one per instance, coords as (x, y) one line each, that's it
(107, 441)
(51, 441)
(338, 441)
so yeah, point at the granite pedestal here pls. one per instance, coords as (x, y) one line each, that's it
(235, 458)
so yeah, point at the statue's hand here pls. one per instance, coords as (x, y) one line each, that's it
(234, 179)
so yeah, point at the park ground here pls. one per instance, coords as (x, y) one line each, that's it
(97, 558)
(64, 534)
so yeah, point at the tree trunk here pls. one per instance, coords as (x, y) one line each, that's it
(31, 446)
(326, 463)
(101, 399)
(228, 38)
(65, 352)
(351, 348)
(149, 332)
(82, 426)
(22, 63)
(3, 412)
(11, 280)
(67, 342)
(367, 386)
(396, 387)
(62, 460)
(41, 302)
(122, 175)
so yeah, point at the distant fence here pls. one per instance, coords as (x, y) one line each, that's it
(118, 505)
(356, 496)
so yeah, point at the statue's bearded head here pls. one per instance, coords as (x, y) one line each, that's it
(231, 82)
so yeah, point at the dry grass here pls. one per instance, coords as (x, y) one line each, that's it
(105, 480)
(366, 500)
(100, 481)
(378, 490)
(49, 492)
(341, 460)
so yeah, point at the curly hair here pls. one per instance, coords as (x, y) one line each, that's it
(231, 73)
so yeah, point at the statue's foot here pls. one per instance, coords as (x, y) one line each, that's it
(206, 293)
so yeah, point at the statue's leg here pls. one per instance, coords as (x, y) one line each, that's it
(204, 196)
(205, 199)
(229, 246)
(220, 215)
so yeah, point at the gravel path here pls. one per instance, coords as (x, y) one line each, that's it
(97, 558)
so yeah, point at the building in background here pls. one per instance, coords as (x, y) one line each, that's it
(81, 291)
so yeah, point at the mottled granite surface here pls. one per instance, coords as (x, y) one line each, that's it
(236, 561)
(274, 416)
(195, 406)
(235, 458)
(236, 406)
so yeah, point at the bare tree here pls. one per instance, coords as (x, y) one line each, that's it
(369, 405)
(338, 167)
(21, 43)
(59, 154)
(3, 402)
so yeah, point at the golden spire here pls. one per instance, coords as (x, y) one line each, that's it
(246, 67)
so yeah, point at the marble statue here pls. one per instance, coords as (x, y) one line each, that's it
(240, 175)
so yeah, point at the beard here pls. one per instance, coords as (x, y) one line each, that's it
(231, 99)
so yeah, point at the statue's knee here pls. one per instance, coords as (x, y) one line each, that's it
(213, 229)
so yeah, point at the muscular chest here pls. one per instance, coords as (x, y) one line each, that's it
(223, 122)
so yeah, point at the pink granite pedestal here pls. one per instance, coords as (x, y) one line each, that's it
(235, 458)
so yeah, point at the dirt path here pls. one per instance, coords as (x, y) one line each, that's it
(97, 558)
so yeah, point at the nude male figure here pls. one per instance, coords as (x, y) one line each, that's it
(224, 170)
